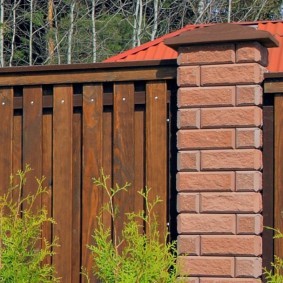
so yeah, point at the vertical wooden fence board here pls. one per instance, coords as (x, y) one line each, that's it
(6, 134)
(278, 194)
(62, 179)
(124, 149)
(107, 156)
(139, 158)
(17, 145)
(47, 173)
(156, 148)
(268, 185)
(92, 163)
(32, 136)
(76, 219)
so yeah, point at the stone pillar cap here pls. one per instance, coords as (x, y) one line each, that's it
(222, 33)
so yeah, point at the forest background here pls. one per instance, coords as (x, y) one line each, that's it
(40, 32)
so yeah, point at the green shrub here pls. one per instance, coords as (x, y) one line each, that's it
(275, 275)
(139, 257)
(22, 248)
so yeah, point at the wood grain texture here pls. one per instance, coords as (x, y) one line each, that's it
(47, 173)
(156, 148)
(273, 87)
(107, 158)
(92, 163)
(278, 166)
(139, 145)
(268, 185)
(76, 215)
(124, 150)
(62, 179)
(6, 135)
(87, 76)
(32, 137)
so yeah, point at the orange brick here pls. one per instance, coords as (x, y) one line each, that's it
(231, 74)
(188, 161)
(206, 96)
(249, 95)
(245, 159)
(249, 116)
(248, 267)
(251, 52)
(206, 223)
(188, 244)
(188, 119)
(230, 280)
(232, 245)
(188, 76)
(206, 139)
(206, 266)
(188, 202)
(248, 181)
(206, 181)
(249, 224)
(207, 54)
(249, 138)
(231, 202)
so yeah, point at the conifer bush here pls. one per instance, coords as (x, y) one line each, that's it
(139, 256)
(22, 248)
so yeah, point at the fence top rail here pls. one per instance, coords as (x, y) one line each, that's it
(90, 66)
(273, 83)
(89, 73)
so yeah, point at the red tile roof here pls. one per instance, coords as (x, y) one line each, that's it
(157, 50)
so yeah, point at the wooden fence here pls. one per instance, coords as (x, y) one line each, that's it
(67, 122)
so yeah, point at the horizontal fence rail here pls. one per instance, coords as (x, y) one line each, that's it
(68, 123)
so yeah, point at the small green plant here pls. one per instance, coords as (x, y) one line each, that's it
(22, 248)
(275, 275)
(139, 256)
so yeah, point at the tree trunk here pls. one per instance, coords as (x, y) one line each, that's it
(155, 19)
(94, 43)
(229, 11)
(51, 30)
(31, 32)
(70, 35)
(2, 63)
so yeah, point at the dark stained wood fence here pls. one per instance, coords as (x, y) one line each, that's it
(67, 122)
(272, 165)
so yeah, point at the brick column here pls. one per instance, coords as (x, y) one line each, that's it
(219, 142)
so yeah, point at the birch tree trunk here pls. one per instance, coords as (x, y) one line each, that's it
(140, 23)
(229, 11)
(14, 26)
(135, 27)
(31, 33)
(2, 63)
(94, 39)
(71, 31)
(155, 19)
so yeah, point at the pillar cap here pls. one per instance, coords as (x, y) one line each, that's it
(222, 33)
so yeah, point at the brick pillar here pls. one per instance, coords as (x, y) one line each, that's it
(219, 179)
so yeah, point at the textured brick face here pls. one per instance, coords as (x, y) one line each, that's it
(205, 139)
(232, 74)
(206, 181)
(206, 266)
(231, 117)
(219, 181)
(206, 96)
(209, 54)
